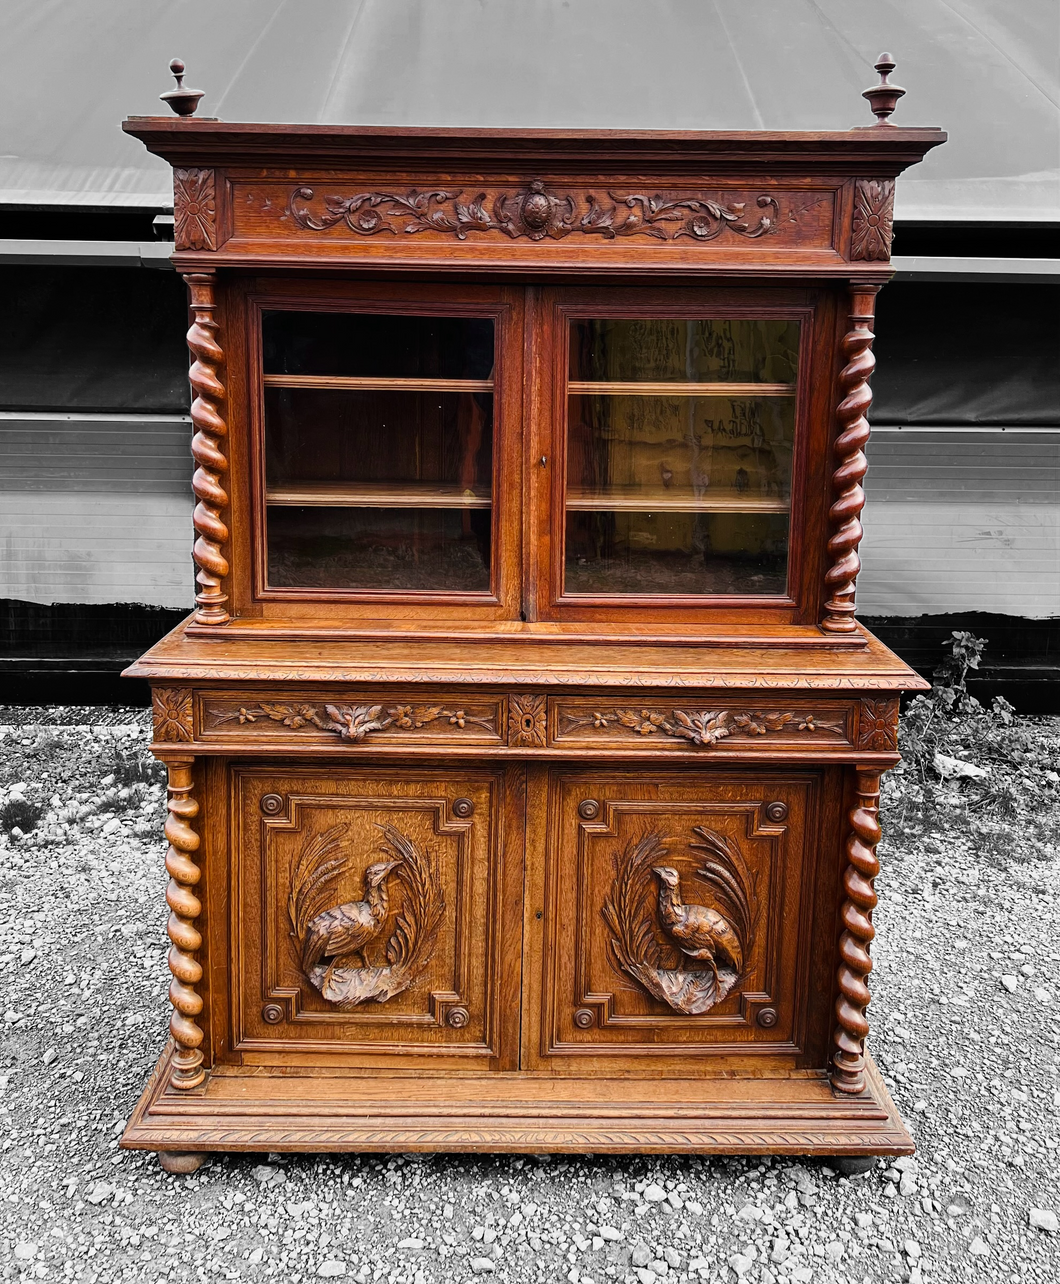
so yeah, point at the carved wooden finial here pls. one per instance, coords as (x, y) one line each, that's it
(183, 101)
(883, 98)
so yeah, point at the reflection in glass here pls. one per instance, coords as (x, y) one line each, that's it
(750, 350)
(372, 345)
(378, 451)
(679, 456)
(400, 549)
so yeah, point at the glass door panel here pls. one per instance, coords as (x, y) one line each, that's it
(378, 451)
(680, 436)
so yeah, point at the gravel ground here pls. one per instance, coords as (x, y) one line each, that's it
(965, 1030)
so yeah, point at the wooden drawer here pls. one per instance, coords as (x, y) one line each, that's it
(675, 917)
(385, 718)
(369, 916)
(656, 726)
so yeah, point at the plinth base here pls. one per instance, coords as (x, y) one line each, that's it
(279, 1109)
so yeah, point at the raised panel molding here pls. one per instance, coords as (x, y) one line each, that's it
(362, 898)
(625, 976)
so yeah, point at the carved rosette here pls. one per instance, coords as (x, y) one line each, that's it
(873, 219)
(185, 907)
(534, 213)
(331, 937)
(207, 448)
(173, 718)
(848, 1057)
(850, 464)
(194, 210)
(878, 724)
(527, 722)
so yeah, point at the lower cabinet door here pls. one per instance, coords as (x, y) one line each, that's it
(370, 919)
(672, 914)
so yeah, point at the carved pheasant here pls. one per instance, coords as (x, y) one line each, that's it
(700, 932)
(342, 933)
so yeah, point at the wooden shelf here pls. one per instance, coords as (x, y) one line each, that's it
(375, 495)
(637, 499)
(351, 384)
(578, 388)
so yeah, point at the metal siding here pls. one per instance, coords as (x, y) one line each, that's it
(962, 522)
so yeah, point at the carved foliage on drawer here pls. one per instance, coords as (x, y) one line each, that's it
(363, 906)
(539, 212)
(692, 727)
(675, 914)
(478, 721)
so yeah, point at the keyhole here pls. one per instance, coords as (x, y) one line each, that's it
(528, 722)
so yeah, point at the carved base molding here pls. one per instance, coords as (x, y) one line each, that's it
(253, 1111)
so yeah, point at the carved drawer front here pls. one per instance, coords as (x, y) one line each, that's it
(368, 912)
(699, 727)
(374, 718)
(676, 913)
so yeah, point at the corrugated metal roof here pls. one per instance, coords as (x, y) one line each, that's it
(986, 70)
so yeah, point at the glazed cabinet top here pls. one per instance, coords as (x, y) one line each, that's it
(530, 386)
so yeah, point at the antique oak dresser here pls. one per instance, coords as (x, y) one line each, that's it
(524, 751)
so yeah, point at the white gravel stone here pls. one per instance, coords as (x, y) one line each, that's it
(654, 1194)
(331, 1269)
(979, 1248)
(1043, 1219)
(482, 1266)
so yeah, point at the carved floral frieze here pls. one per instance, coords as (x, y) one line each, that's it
(873, 219)
(701, 727)
(535, 213)
(355, 722)
(194, 210)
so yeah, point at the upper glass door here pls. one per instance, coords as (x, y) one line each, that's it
(378, 445)
(679, 453)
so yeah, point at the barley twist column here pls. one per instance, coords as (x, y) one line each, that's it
(207, 448)
(185, 907)
(851, 464)
(848, 1057)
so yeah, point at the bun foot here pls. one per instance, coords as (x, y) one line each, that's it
(853, 1165)
(181, 1161)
